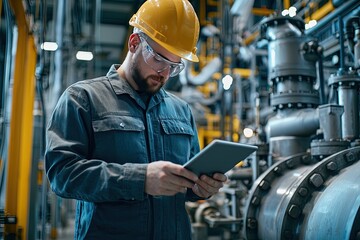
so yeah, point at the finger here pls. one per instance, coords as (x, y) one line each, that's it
(201, 192)
(220, 177)
(207, 181)
(176, 184)
(180, 182)
(182, 172)
(206, 188)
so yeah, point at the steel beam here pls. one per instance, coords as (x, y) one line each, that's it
(21, 128)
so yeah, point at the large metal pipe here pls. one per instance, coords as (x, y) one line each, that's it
(299, 198)
(299, 123)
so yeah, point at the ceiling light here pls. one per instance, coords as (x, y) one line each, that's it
(292, 11)
(49, 46)
(248, 132)
(84, 56)
(310, 24)
(285, 12)
(227, 81)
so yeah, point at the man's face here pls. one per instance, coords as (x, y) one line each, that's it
(148, 75)
(147, 81)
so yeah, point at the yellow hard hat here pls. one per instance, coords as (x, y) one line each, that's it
(173, 24)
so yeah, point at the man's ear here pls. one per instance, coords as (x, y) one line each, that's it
(133, 43)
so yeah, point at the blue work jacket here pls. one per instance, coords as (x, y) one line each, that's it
(100, 138)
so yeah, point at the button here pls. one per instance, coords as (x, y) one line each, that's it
(122, 125)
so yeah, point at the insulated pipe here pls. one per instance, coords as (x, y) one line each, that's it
(300, 123)
(206, 73)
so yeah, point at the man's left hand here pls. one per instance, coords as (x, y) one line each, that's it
(207, 186)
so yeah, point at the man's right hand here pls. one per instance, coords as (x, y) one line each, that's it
(167, 179)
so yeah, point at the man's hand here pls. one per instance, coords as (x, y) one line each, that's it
(206, 186)
(167, 178)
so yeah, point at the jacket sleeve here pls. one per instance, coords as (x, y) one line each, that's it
(68, 164)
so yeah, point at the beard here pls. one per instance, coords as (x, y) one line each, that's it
(148, 84)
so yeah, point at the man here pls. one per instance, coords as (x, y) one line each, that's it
(117, 143)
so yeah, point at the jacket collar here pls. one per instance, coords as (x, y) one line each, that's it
(121, 86)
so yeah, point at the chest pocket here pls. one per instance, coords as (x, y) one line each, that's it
(177, 136)
(120, 139)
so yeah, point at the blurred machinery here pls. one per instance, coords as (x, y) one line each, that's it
(303, 183)
(264, 78)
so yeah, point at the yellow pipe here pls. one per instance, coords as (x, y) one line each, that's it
(251, 38)
(21, 127)
(262, 11)
(243, 72)
(286, 4)
(321, 12)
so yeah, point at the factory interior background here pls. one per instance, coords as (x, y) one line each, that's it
(281, 75)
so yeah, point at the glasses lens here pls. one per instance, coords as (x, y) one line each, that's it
(159, 63)
(176, 69)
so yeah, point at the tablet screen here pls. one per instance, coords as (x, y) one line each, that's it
(219, 156)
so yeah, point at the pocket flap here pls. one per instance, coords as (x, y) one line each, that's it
(172, 126)
(119, 123)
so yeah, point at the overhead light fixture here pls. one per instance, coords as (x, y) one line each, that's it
(310, 24)
(248, 132)
(292, 11)
(227, 81)
(49, 46)
(84, 56)
(285, 12)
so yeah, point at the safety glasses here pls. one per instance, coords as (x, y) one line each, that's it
(157, 62)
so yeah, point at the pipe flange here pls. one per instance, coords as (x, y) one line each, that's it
(262, 186)
(349, 78)
(276, 21)
(314, 181)
(296, 78)
(321, 149)
(295, 100)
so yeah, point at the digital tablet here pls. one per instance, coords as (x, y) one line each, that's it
(219, 156)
